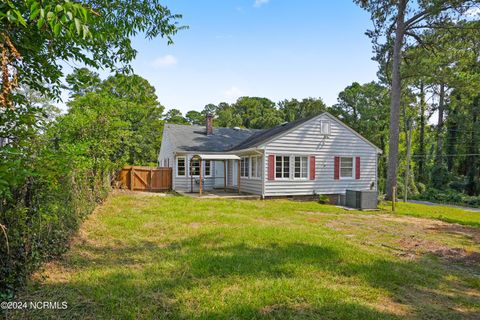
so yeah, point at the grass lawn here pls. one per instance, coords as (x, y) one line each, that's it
(149, 257)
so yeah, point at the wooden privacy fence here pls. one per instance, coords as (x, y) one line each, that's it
(145, 178)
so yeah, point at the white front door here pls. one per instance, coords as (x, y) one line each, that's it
(219, 174)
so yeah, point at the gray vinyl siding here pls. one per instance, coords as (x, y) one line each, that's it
(166, 151)
(306, 140)
(248, 184)
(253, 186)
(184, 183)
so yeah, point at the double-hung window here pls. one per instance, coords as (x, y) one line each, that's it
(282, 167)
(301, 167)
(207, 170)
(346, 167)
(244, 167)
(195, 167)
(256, 163)
(181, 166)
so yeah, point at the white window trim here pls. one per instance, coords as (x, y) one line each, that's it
(289, 167)
(246, 159)
(259, 160)
(340, 168)
(203, 169)
(185, 164)
(308, 166)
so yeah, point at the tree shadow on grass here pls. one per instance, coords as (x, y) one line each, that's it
(145, 281)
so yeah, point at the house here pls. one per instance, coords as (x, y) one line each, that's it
(316, 155)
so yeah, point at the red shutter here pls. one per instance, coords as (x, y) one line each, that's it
(271, 167)
(312, 167)
(336, 170)
(357, 168)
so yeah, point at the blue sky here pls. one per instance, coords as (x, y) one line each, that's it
(271, 48)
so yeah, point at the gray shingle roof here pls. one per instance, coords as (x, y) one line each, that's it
(194, 138)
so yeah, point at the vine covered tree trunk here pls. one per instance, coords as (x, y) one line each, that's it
(422, 150)
(452, 137)
(473, 187)
(408, 137)
(441, 109)
(395, 97)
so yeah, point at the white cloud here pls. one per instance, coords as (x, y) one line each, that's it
(259, 3)
(164, 61)
(233, 93)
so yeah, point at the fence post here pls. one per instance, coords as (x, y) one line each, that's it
(150, 182)
(131, 177)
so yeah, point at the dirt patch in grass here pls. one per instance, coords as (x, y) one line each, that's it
(460, 255)
(469, 232)
(411, 237)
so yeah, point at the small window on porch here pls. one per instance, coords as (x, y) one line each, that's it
(195, 168)
(181, 166)
(256, 166)
(244, 167)
(207, 170)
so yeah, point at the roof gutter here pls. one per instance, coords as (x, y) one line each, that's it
(256, 149)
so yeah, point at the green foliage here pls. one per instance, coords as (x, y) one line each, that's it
(175, 116)
(252, 112)
(257, 113)
(293, 109)
(139, 107)
(195, 118)
(56, 170)
(61, 170)
(440, 177)
(95, 33)
(82, 81)
(227, 116)
(323, 199)
(449, 196)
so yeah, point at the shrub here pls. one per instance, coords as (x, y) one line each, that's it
(449, 196)
(421, 187)
(40, 225)
(440, 177)
(323, 199)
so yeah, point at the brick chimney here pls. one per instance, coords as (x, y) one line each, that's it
(209, 124)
